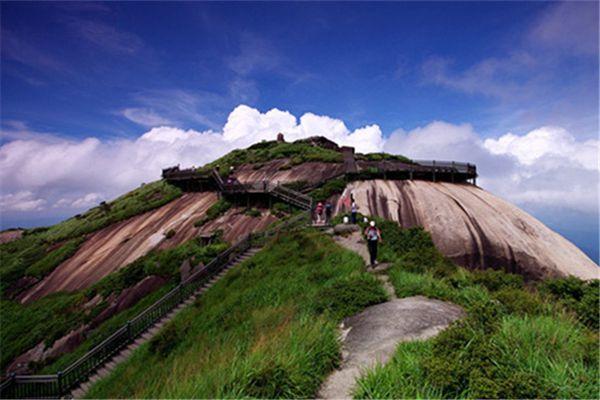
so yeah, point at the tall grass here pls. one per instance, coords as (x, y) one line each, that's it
(267, 329)
(518, 341)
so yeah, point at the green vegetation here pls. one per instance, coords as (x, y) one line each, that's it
(517, 342)
(142, 199)
(37, 254)
(214, 211)
(53, 316)
(259, 153)
(253, 212)
(328, 189)
(267, 329)
(382, 157)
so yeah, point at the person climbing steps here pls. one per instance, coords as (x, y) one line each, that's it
(373, 235)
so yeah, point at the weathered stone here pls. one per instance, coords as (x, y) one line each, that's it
(21, 284)
(473, 227)
(343, 229)
(129, 297)
(371, 337)
(185, 269)
(20, 365)
(67, 343)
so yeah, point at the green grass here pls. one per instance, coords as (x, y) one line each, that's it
(382, 157)
(267, 329)
(103, 331)
(47, 319)
(51, 317)
(518, 341)
(214, 211)
(298, 153)
(35, 254)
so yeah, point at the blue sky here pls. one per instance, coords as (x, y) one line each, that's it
(512, 85)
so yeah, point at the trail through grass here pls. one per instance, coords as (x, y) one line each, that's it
(267, 329)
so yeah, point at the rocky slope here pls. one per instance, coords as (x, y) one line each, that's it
(473, 227)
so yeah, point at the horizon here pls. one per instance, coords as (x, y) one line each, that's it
(98, 97)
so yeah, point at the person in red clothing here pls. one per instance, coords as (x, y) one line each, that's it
(373, 235)
(319, 211)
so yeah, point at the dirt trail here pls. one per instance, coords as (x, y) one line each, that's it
(371, 336)
(117, 245)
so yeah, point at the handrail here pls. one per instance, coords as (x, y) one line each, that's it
(56, 385)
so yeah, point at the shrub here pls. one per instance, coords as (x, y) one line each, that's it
(496, 280)
(217, 209)
(253, 212)
(576, 295)
(328, 189)
(519, 301)
(345, 297)
(170, 233)
(163, 343)
(271, 381)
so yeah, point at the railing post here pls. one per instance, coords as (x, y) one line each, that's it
(59, 379)
(129, 333)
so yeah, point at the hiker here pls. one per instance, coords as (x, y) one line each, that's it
(373, 235)
(328, 210)
(319, 211)
(354, 211)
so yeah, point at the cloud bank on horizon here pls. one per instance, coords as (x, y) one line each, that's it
(45, 174)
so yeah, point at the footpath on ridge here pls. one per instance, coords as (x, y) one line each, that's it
(371, 336)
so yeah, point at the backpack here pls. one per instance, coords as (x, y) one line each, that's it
(372, 233)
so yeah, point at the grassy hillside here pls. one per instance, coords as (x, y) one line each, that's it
(266, 151)
(267, 329)
(43, 249)
(519, 341)
(51, 317)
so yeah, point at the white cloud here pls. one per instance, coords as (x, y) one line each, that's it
(21, 201)
(76, 174)
(545, 167)
(144, 116)
(87, 201)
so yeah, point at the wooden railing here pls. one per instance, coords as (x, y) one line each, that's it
(58, 385)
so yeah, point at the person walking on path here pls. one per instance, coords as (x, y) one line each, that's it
(328, 210)
(319, 211)
(373, 235)
(354, 212)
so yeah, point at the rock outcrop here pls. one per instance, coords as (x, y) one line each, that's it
(473, 227)
(117, 245)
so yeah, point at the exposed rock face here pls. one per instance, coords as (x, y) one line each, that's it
(235, 224)
(21, 284)
(129, 297)
(372, 336)
(278, 171)
(473, 227)
(117, 245)
(39, 353)
(10, 235)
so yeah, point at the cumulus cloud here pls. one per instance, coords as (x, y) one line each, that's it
(545, 167)
(21, 201)
(77, 174)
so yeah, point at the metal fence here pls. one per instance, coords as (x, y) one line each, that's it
(57, 385)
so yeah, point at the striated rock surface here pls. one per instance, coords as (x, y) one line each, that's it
(281, 171)
(117, 245)
(235, 224)
(129, 297)
(473, 227)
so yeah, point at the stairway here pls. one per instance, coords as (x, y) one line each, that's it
(110, 365)
(293, 197)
